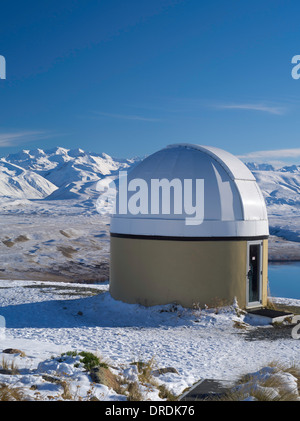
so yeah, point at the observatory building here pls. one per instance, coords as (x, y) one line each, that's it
(190, 227)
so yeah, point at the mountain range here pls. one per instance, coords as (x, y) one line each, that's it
(60, 173)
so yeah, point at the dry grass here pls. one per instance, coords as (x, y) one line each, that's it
(270, 304)
(165, 393)
(239, 325)
(292, 369)
(8, 393)
(66, 395)
(10, 367)
(133, 392)
(270, 388)
(145, 371)
(145, 377)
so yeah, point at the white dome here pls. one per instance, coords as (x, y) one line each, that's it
(232, 203)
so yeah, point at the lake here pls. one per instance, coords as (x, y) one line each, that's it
(284, 279)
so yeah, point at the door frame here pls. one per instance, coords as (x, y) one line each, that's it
(258, 303)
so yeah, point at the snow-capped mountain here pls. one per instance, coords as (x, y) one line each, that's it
(62, 166)
(66, 173)
(17, 182)
(254, 166)
(280, 187)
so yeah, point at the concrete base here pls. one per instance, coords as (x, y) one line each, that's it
(266, 316)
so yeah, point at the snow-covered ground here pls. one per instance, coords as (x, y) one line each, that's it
(45, 320)
(53, 240)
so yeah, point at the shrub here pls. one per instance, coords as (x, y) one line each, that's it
(89, 360)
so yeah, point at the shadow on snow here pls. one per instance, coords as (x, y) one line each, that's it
(100, 310)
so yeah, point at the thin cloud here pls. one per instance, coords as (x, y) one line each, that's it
(127, 117)
(277, 153)
(15, 138)
(271, 109)
(276, 157)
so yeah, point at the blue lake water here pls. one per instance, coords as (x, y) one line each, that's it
(284, 280)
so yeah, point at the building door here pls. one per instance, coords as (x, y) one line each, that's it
(254, 274)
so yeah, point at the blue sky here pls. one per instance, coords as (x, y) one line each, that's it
(129, 77)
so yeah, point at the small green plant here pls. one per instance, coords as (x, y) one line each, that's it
(71, 353)
(89, 360)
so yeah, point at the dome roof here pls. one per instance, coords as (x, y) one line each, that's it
(208, 193)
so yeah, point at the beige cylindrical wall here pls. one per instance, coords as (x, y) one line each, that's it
(155, 271)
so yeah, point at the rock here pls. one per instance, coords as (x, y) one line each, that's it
(51, 379)
(13, 351)
(7, 371)
(103, 375)
(21, 239)
(8, 243)
(164, 370)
